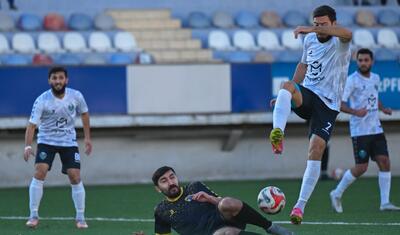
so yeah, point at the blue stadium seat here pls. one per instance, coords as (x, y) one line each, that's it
(103, 22)
(289, 56)
(385, 54)
(245, 19)
(68, 59)
(120, 58)
(294, 19)
(388, 18)
(345, 18)
(222, 20)
(240, 57)
(17, 59)
(29, 22)
(6, 22)
(198, 20)
(80, 21)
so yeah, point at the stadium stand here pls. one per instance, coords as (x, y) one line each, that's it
(23, 43)
(363, 38)
(74, 42)
(54, 22)
(268, 40)
(4, 45)
(222, 20)
(49, 43)
(270, 19)
(29, 22)
(243, 40)
(6, 22)
(388, 38)
(219, 40)
(245, 19)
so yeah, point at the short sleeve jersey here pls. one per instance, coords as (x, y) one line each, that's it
(56, 117)
(327, 68)
(362, 92)
(185, 216)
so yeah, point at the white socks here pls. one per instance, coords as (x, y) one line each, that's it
(344, 183)
(78, 196)
(310, 179)
(35, 195)
(384, 178)
(282, 109)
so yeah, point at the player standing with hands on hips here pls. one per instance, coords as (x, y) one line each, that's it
(322, 73)
(55, 111)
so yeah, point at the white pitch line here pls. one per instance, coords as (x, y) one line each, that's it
(152, 220)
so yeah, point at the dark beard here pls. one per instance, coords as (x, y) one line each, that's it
(172, 195)
(323, 40)
(364, 72)
(58, 92)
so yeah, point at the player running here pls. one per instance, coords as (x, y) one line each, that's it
(55, 112)
(366, 131)
(322, 72)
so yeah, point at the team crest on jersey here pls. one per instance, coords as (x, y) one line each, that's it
(372, 100)
(71, 107)
(189, 198)
(42, 155)
(77, 157)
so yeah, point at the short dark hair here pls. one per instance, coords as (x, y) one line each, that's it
(325, 10)
(58, 69)
(160, 172)
(365, 51)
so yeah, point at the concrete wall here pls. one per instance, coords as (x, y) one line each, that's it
(128, 156)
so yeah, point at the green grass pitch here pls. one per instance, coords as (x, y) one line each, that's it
(135, 203)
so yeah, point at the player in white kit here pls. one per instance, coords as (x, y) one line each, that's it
(55, 111)
(322, 72)
(367, 135)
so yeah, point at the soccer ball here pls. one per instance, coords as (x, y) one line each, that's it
(271, 200)
(337, 174)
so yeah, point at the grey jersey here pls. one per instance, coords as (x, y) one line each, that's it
(56, 117)
(362, 92)
(327, 68)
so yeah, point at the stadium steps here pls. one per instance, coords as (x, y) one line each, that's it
(161, 35)
(182, 56)
(148, 24)
(134, 14)
(169, 44)
(166, 34)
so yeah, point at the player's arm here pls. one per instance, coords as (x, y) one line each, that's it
(29, 133)
(299, 73)
(205, 197)
(86, 131)
(161, 227)
(387, 111)
(342, 33)
(344, 107)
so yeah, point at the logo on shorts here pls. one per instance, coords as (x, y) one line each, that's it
(77, 157)
(42, 155)
(362, 153)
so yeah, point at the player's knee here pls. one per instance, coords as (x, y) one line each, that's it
(288, 86)
(360, 170)
(227, 231)
(229, 205)
(384, 163)
(40, 173)
(74, 179)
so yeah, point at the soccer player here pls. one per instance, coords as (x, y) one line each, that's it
(196, 210)
(322, 71)
(55, 112)
(366, 131)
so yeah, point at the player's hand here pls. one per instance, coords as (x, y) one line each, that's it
(138, 233)
(202, 197)
(302, 30)
(88, 146)
(387, 111)
(361, 112)
(28, 152)
(272, 103)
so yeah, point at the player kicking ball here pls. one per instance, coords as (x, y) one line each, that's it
(366, 131)
(196, 210)
(314, 94)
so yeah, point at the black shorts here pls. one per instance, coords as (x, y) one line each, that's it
(217, 221)
(321, 118)
(69, 156)
(369, 146)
